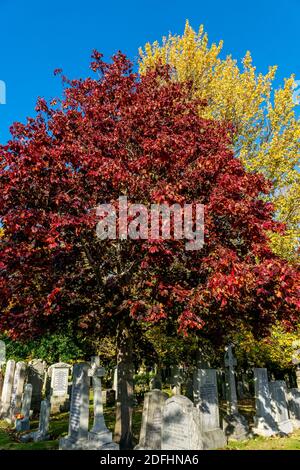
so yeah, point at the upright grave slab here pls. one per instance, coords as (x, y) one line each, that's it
(42, 433)
(59, 397)
(151, 429)
(17, 390)
(23, 423)
(7, 389)
(77, 437)
(36, 377)
(294, 406)
(206, 401)
(180, 425)
(279, 401)
(264, 419)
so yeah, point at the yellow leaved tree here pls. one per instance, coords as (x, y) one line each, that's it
(267, 129)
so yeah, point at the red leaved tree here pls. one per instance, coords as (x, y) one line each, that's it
(123, 135)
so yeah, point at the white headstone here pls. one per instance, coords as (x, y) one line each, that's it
(150, 434)
(294, 406)
(7, 389)
(59, 397)
(279, 401)
(206, 400)
(79, 410)
(23, 424)
(17, 390)
(180, 425)
(264, 420)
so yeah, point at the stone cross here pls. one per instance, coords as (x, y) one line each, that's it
(97, 372)
(230, 364)
(99, 436)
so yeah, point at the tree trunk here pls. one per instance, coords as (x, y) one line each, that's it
(124, 408)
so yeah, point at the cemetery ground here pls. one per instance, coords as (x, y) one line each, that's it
(9, 439)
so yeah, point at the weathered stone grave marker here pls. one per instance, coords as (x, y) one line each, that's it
(176, 379)
(36, 377)
(42, 433)
(264, 420)
(278, 398)
(180, 425)
(17, 390)
(206, 401)
(7, 389)
(99, 436)
(59, 397)
(23, 424)
(77, 437)
(294, 406)
(151, 429)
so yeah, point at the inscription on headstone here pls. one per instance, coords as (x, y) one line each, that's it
(206, 400)
(181, 427)
(150, 435)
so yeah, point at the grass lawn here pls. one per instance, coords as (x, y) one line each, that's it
(9, 440)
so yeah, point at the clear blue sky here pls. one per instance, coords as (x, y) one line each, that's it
(38, 36)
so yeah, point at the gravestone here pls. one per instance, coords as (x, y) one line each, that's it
(176, 379)
(99, 436)
(108, 397)
(7, 389)
(1, 383)
(264, 419)
(115, 381)
(156, 381)
(151, 429)
(180, 425)
(294, 407)
(77, 437)
(42, 433)
(278, 399)
(2, 364)
(36, 377)
(59, 397)
(235, 425)
(2, 353)
(206, 401)
(23, 424)
(17, 390)
(298, 377)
